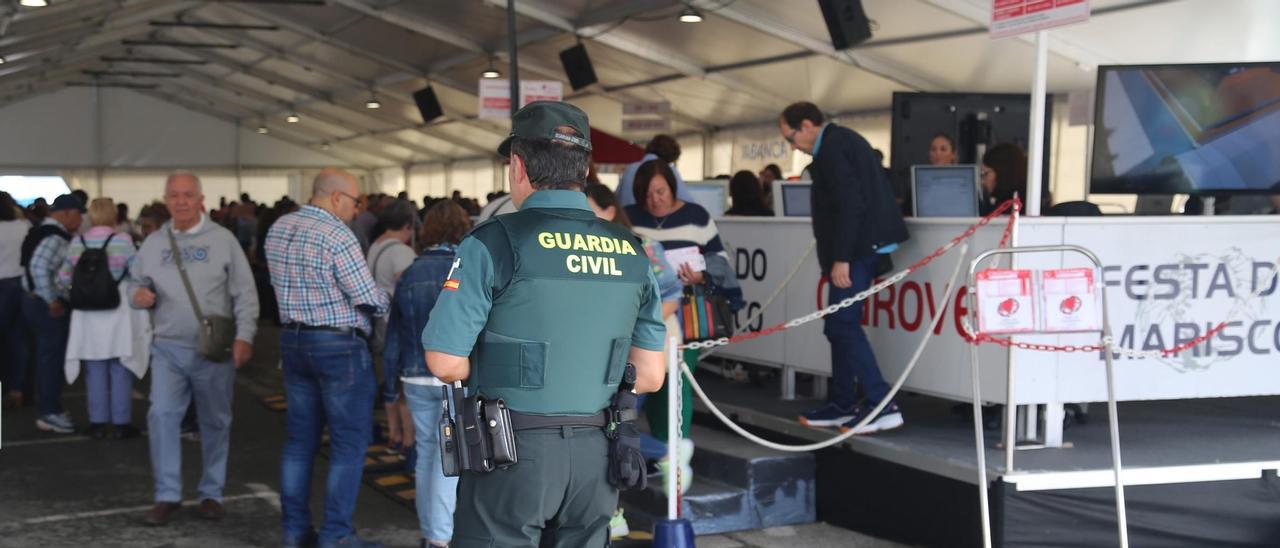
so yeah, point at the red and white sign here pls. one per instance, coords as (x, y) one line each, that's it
(495, 95)
(1014, 17)
(1005, 301)
(645, 125)
(1070, 300)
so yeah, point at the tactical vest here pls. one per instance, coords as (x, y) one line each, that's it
(568, 288)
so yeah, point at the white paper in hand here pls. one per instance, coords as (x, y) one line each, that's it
(686, 255)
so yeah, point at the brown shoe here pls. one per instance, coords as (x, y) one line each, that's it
(161, 513)
(212, 509)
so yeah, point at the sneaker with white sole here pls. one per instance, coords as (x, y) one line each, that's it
(828, 415)
(618, 526)
(59, 423)
(888, 419)
(686, 466)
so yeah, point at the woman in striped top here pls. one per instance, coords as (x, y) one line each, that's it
(103, 340)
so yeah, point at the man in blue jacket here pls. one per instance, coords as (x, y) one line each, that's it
(857, 224)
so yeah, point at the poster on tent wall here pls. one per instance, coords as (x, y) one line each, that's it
(1014, 17)
(755, 148)
(495, 95)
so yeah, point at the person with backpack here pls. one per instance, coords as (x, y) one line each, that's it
(45, 307)
(106, 335)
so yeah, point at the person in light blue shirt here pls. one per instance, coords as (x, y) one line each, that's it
(661, 147)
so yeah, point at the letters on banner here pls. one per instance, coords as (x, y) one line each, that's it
(1050, 301)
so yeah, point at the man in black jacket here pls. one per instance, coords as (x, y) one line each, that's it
(857, 223)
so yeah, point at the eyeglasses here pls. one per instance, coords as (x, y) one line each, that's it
(354, 199)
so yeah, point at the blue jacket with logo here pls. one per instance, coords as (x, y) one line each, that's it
(415, 296)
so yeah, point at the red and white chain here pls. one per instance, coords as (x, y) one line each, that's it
(1014, 204)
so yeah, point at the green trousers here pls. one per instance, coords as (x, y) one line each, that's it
(655, 405)
(556, 494)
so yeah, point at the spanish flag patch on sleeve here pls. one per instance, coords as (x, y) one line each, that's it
(451, 285)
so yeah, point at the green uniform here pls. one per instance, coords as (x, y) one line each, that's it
(547, 302)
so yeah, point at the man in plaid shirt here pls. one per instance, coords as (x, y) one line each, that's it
(45, 308)
(326, 297)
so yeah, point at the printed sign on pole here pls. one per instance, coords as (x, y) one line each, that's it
(1014, 17)
(644, 108)
(1070, 300)
(1005, 301)
(495, 95)
(645, 125)
(540, 90)
(495, 98)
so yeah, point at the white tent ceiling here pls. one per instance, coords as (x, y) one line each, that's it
(324, 58)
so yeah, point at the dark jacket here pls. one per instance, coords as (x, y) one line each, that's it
(854, 212)
(416, 295)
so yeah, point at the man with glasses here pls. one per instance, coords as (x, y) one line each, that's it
(856, 223)
(326, 297)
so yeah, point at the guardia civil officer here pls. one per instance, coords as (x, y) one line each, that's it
(544, 309)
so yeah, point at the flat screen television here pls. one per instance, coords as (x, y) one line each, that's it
(792, 198)
(945, 191)
(1194, 129)
(711, 195)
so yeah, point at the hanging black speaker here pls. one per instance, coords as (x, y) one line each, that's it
(428, 105)
(846, 22)
(577, 66)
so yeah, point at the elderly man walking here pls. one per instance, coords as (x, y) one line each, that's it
(45, 308)
(327, 297)
(196, 280)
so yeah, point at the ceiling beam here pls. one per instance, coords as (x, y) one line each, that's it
(1072, 51)
(651, 51)
(271, 102)
(419, 26)
(759, 21)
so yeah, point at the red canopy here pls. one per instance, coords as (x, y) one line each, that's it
(608, 149)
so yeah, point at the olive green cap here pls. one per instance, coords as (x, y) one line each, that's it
(539, 120)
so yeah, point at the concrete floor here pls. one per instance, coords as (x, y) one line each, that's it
(73, 491)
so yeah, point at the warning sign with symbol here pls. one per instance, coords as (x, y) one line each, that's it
(1070, 300)
(1005, 303)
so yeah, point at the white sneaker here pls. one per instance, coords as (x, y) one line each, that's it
(686, 467)
(618, 526)
(59, 423)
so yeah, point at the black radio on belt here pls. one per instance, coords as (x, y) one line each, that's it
(482, 439)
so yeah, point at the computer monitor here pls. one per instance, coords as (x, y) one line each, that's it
(791, 198)
(945, 191)
(711, 195)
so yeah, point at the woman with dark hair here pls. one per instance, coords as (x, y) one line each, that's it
(13, 230)
(405, 369)
(748, 199)
(942, 150)
(1004, 173)
(659, 214)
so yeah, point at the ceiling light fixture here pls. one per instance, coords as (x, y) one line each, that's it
(690, 14)
(324, 146)
(1, 59)
(263, 130)
(292, 118)
(33, 3)
(373, 102)
(491, 72)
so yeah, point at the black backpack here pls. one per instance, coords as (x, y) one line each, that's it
(92, 285)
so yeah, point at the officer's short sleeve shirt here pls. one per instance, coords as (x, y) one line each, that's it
(462, 310)
(649, 329)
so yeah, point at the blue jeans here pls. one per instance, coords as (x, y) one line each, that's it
(652, 448)
(179, 374)
(51, 350)
(851, 356)
(13, 335)
(109, 389)
(437, 494)
(328, 380)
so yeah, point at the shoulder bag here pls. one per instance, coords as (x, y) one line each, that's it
(216, 333)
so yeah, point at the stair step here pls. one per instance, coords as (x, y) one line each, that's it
(713, 507)
(780, 485)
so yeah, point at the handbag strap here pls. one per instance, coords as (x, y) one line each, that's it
(373, 264)
(182, 273)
